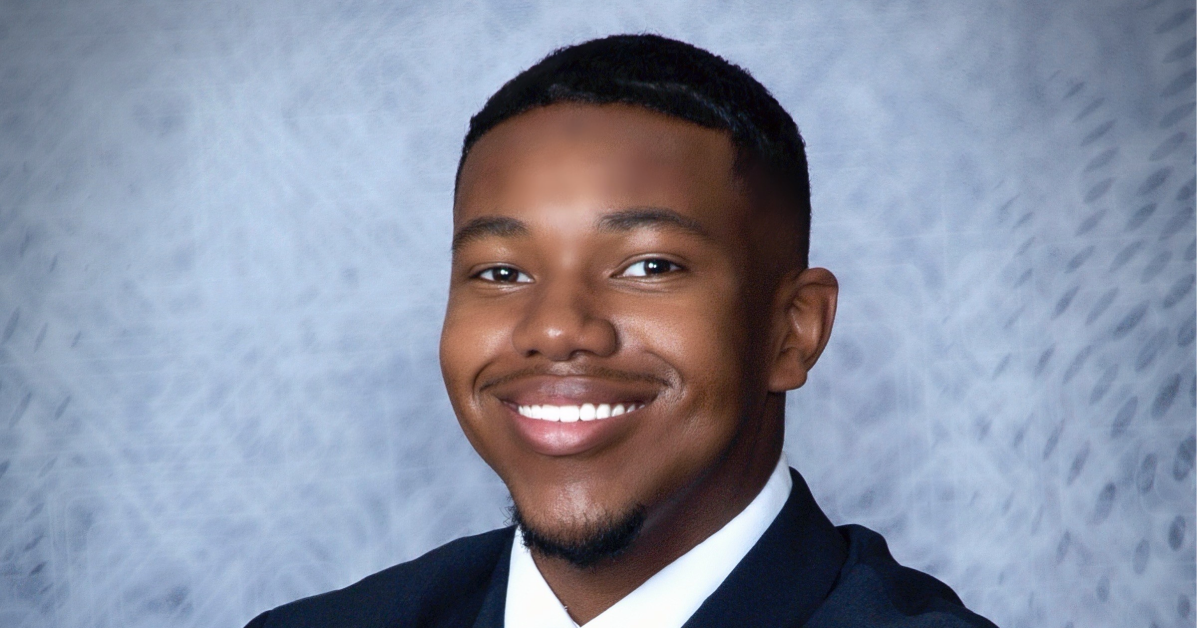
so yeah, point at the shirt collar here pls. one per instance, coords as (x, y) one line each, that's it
(670, 596)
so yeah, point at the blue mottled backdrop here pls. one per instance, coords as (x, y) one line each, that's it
(224, 236)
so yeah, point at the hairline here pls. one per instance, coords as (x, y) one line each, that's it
(744, 159)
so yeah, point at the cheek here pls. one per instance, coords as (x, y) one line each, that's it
(700, 331)
(703, 337)
(472, 337)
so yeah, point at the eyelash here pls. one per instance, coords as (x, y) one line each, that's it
(670, 267)
(515, 276)
(518, 277)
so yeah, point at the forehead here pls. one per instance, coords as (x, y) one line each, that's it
(597, 157)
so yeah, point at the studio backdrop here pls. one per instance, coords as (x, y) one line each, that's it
(224, 254)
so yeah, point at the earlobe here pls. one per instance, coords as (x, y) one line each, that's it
(806, 321)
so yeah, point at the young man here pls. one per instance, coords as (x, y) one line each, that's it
(630, 301)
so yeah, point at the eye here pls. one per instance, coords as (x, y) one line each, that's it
(650, 267)
(503, 274)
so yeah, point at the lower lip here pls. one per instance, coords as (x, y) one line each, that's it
(556, 438)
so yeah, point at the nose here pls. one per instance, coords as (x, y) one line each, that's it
(562, 320)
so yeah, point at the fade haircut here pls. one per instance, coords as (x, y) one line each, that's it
(678, 80)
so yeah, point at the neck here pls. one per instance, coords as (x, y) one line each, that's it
(673, 527)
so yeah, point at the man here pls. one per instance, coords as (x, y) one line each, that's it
(630, 301)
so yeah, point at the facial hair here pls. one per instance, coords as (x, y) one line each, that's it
(601, 541)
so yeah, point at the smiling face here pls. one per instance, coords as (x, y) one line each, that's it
(613, 318)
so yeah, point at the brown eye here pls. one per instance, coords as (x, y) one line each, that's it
(649, 267)
(503, 274)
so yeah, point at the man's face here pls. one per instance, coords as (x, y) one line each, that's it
(603, 341)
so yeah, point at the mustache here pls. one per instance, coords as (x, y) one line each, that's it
(591, 371)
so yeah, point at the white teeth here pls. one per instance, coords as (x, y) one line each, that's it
(571, 414)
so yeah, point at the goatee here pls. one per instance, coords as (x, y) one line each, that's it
(603, 540)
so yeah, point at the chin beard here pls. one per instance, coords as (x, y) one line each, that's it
(599, 541)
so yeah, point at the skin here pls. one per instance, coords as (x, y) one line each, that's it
(607, 254)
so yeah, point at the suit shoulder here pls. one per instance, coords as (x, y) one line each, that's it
(417, 592)
(875, 590)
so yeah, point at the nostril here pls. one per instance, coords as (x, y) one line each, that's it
(559, 331)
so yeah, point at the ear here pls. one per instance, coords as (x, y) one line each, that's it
(808, 302)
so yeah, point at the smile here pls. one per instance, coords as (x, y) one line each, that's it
(572, 413)
(567, 415)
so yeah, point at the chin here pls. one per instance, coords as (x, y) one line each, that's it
(583, 543)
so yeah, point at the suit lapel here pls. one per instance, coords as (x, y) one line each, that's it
(786, 575)
(491, 613)
(780, 582)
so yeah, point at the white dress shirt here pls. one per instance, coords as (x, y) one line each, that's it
(670, 596)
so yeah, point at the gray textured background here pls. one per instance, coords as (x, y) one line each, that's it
(224, 241)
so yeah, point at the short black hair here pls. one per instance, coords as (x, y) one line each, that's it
(673, 78)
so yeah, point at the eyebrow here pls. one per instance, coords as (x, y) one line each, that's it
(653, 217)
(621, 221)
(487, 226)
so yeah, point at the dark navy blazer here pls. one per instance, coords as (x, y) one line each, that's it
(802, 572)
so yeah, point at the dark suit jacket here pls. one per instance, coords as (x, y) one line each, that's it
(802, 572)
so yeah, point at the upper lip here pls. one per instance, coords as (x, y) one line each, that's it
(575, 387)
